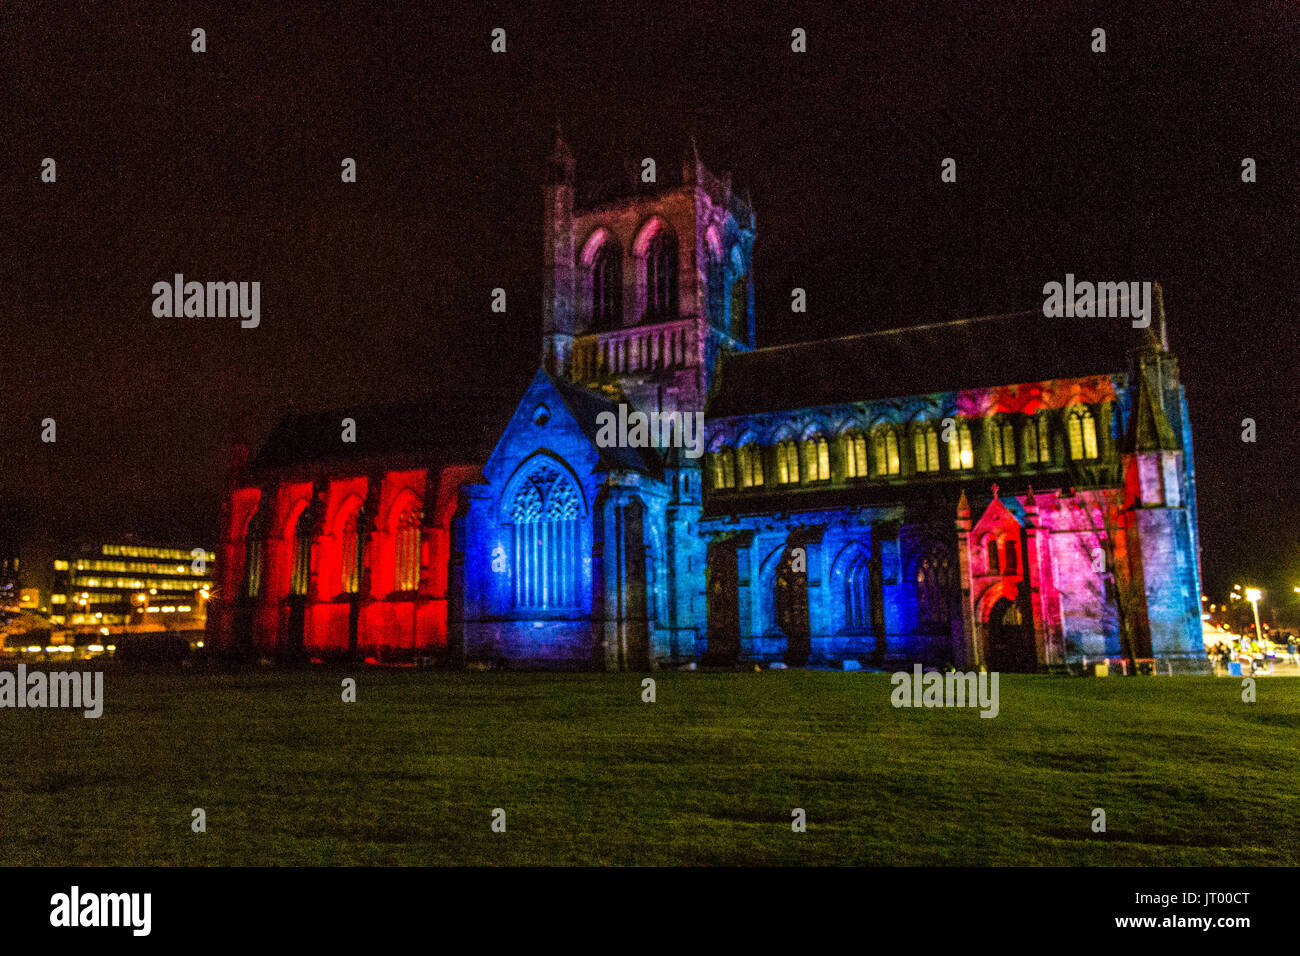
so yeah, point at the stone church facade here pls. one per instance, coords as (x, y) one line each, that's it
(1012, 492)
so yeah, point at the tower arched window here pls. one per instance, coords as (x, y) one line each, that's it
(547, 541)
(816, 459)
(925, 446)
(857, 593)
(961, 453)
(854, 445)
(661, 276)
(607, 287)
(715, 277)
(406, 549)
(886, 447)
(787, 462)
(1081, 430)
(300, 567)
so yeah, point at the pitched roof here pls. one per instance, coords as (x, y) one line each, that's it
(980, 352)
(586, 406)
(425, 428)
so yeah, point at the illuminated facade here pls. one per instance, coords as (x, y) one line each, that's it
(1014, 492)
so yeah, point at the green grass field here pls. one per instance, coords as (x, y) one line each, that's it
(588, 774)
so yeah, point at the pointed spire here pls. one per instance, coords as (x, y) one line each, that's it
(963, 506)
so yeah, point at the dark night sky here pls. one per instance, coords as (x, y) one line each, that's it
(225, 166)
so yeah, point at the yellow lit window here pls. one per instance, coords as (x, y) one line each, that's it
(1081, 428)
(787, 462)
(961, 454)
(925, 442)
(886, 442)
(855, 455)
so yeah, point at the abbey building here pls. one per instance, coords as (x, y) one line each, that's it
(1013, 492)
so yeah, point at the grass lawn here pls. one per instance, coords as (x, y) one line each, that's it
(588, 774)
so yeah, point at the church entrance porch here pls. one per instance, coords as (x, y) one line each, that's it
(1009, 640)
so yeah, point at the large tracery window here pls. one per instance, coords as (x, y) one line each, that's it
(547, 541)
(406, 546)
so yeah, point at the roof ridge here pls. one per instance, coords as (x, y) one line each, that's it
(923, 327)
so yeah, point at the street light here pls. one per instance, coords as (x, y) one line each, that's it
(1253, 595)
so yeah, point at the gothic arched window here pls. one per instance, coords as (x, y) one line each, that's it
(1002, 443)
(547, 541)
(992, 548)
(750, 460)
(787, 461)
(1010, 557)
(886, 442)
(933, 590)
(1038, 447)
(406, 549)
(925, 445)
(1081, 429)
(607, 287)
(724, 471)
(254, 553)
(661, 276)
(855, 454)
(716, 284)
(857, 593)
(351, 557)
(300, 568)
(961, 453)
(816, 459)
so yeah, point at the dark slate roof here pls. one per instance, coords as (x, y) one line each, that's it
(585, 406)
(983, 352)
(423, 429)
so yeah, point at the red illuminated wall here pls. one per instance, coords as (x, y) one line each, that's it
(390, 626)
